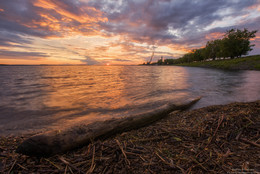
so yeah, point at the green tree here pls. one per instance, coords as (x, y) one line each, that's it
(198, 55)
(170, 61)
(237, 42)
(213, 49)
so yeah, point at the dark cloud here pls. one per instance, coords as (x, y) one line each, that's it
(140, 20)
(21, 55)
(149, 21)
(120, 60)
(9, 39)
(18, 17)
(90, 61)
(50, 18)
(129, 47)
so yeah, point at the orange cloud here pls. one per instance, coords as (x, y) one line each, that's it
(257, 38)
(212, 36)
(255, 6)
(180, 48)
(81, 17)
(101, 48)
(57, 19)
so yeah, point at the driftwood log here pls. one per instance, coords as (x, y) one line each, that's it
(53, 142)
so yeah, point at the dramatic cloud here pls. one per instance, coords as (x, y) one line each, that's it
(21, 55)
(90, 61)
(160, 22)
(48, 18)
(119, 30)
(10, 39)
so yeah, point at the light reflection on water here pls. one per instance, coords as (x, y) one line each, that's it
(39, 98)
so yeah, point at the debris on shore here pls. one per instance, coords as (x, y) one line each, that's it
(214, 139)
(60, 141)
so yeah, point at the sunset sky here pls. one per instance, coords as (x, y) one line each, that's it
(97, 32)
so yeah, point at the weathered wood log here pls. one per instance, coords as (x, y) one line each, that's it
(53, 142)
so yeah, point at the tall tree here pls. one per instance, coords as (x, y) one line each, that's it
(237, 42)
(213, 48)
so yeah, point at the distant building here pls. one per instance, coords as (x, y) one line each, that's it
(162, 59)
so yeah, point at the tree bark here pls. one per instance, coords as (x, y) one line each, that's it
(53, 142)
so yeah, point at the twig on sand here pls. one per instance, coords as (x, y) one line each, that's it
(250, 142)
(219, 123)
(199, 164)
(22, 166)
(93, 165)
(66, 168)
(169, 163)
(123, 151)
(12, 167)
(70, 170)
(58, 167)
(220, 120)
(238, 135)
(69, 164)
(163, 160)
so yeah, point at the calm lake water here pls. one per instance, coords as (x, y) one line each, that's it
(40, 98)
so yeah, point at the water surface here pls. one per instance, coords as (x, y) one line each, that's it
(40, 98)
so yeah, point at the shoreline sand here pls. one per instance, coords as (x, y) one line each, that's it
(213, 139)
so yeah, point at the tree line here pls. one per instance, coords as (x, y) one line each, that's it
(234, 43)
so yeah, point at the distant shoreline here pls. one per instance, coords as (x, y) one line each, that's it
(244, 63)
